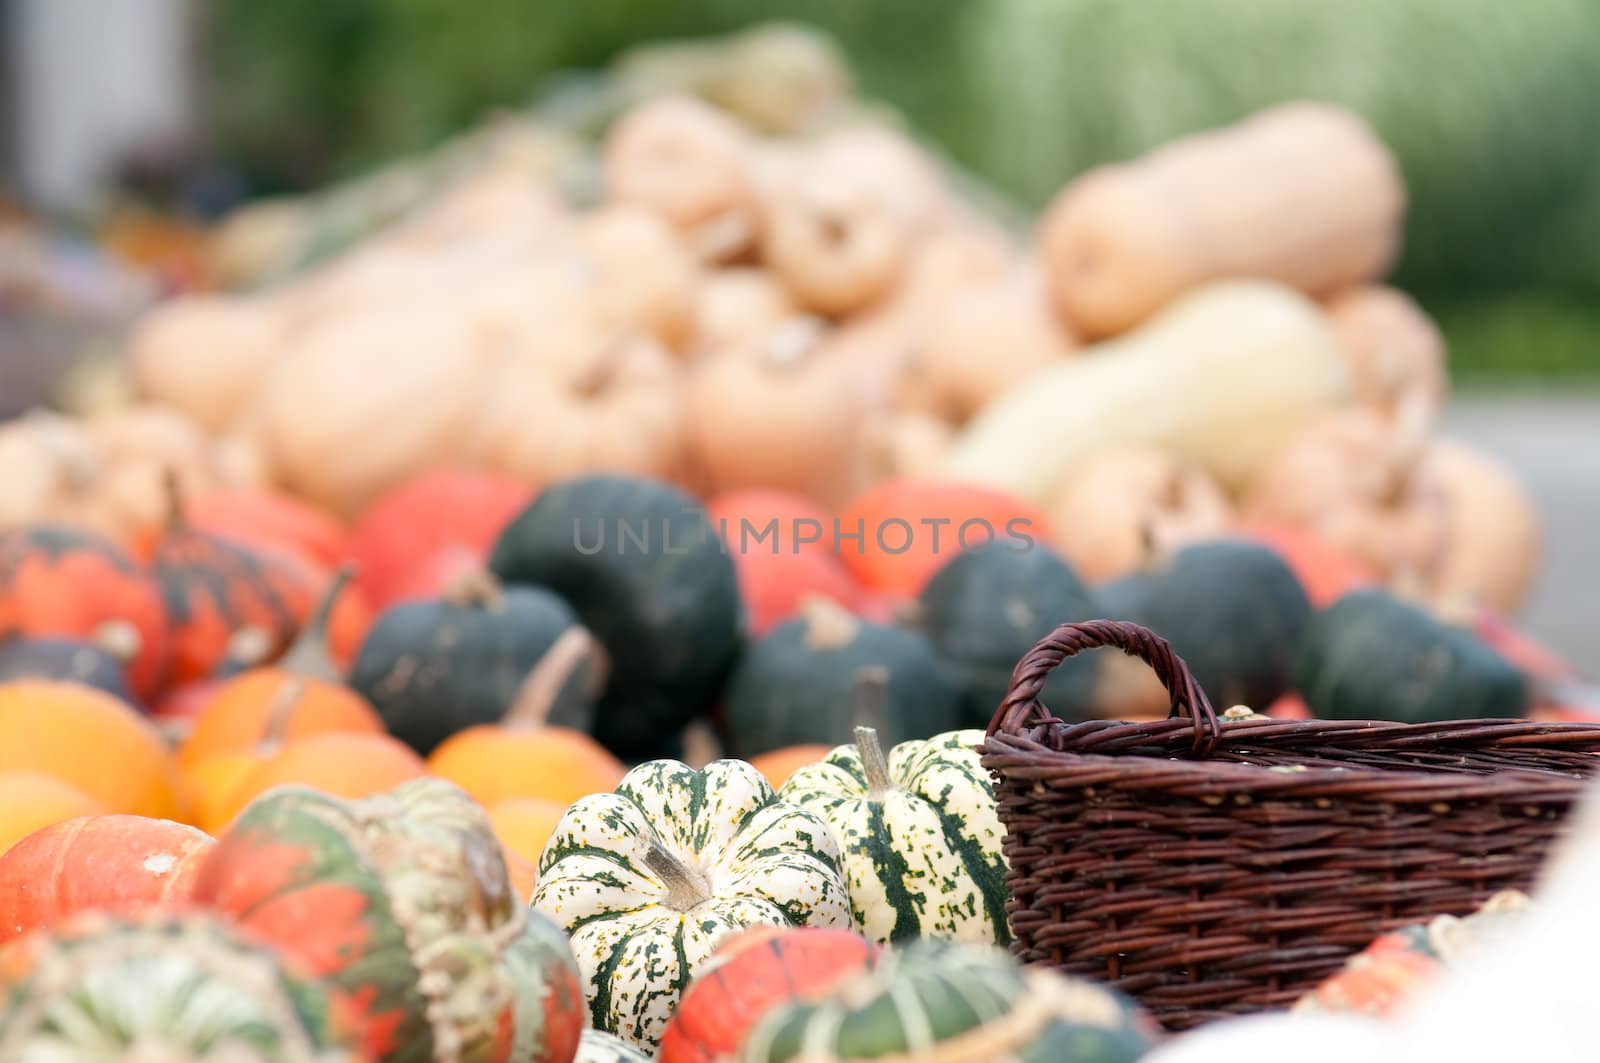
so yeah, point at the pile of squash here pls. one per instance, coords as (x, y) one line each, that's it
(1182, 343)
(560, 630)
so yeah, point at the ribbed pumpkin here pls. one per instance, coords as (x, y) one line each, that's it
(163, 987)
(445, 510)
(956, 1003)
(597, 1046)
(646, 573)
(401, 907)
(751, 974)
(987, 607)
(68, 582)
(919, 834)
(802, 684)
(649, 879)
(112, 862)
(91, 740)
(479, 655)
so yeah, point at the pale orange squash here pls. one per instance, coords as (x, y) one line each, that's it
(1303, 193)
(690, 163)
(1129, 504)
(979, 344)
(621, 412)
(1397, 354)
(782, 414)
(205, 355)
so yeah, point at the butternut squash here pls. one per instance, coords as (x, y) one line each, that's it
(1222, 378)
(1303, 193)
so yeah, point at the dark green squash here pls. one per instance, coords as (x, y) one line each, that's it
(644, 569)
(435, 667)
(815, 678)
(1231, 608)
(1371, 656)
(956, 1003)
(988, 606)
(77, 660)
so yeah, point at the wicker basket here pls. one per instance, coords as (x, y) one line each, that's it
(1217, 867)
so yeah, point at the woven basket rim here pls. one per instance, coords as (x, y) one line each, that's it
(1113, 772)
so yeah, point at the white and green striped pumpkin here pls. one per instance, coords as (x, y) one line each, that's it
(648, 880)
(597, 1046)
(933, 1001)
(920, 836)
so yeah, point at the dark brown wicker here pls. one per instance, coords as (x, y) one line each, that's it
(1221, 867)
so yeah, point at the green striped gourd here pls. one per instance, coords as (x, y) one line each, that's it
(162, 986)
(919, 833)
(947, 1002)
(649, 879)
(402, 906)
(597, 1046)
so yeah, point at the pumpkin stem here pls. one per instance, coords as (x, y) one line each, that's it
(475, 587)
(686, 886)
(172, 488)
(873, 763)
(829, 625)
(869, 696)
(279, 713)
(545, 681)
(308, 655)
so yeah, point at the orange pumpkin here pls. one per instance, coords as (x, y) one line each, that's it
(341, 763)
(752, 973)
(524, 825)
(299, 696)
(31, 801)
(114, 863)
(65, 581)
(896, 535)
(778, 764)
(410, 525)
(495, 763)
(91, 740)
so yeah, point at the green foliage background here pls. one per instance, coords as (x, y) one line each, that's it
(1493, 108)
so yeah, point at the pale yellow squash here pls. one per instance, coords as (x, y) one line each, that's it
(1223, 378)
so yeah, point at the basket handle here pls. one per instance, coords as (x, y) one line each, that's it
(1021, 707)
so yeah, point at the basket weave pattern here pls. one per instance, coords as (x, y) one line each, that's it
(1216, 867)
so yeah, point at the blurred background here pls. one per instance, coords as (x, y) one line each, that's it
(132, 127)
